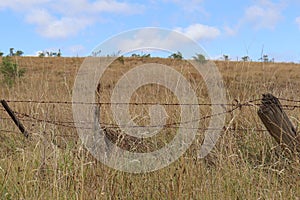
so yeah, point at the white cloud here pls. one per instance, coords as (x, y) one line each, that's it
(230, 31)
(51, 27)
(100, 6)
(114, 6)
(39, 17)
(264, 15)
(189, 6)
(200, 32)
(151, 40)
(64, 18)
(298, 21)
(20, 5)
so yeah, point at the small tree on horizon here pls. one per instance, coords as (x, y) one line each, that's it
(265, 58)
(11, 52)
(41, 54)
(19, 53)
(226, 57)
(59, 53)
(177, 55)
(245, 58)
(135, 55)
(200, 58)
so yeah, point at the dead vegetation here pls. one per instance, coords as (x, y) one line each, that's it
(53, 163)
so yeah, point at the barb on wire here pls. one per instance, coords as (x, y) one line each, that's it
(9, 131)
(291, 100)
(35, 119)
(289, 107)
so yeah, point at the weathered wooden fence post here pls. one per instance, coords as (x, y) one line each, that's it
(278, 124)
(100, 139)
(14, 118)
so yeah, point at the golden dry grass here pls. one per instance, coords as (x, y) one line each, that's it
(53, 164)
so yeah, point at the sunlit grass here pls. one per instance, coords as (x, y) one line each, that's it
(53, 163)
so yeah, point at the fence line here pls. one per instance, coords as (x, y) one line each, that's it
(71, 124)
(134, 103)
(201, 129)
(236, 102)
(237, 106)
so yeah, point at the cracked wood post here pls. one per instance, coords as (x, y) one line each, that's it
(14, 118)
(278, 124)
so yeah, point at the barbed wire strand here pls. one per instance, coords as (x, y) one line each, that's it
(291, 100)
(72, 124)
(9, 131)
(170, 125)
(125, 103)
(249, 103)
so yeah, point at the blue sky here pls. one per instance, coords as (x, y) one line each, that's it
(235, 28)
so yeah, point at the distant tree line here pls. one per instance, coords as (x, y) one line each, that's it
(265, 58)
(12, 52)
(176, 55)
(49, 54)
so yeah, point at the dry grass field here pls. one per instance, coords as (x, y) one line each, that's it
(53, 164)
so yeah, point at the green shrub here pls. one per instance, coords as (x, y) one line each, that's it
(121, 59)
(200, 58)
(10, 71)
(177, 55)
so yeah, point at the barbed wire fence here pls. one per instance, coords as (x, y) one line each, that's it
(290, 104)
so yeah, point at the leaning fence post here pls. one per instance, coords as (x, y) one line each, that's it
(14, 118)
(100, 140)
(278, 124)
